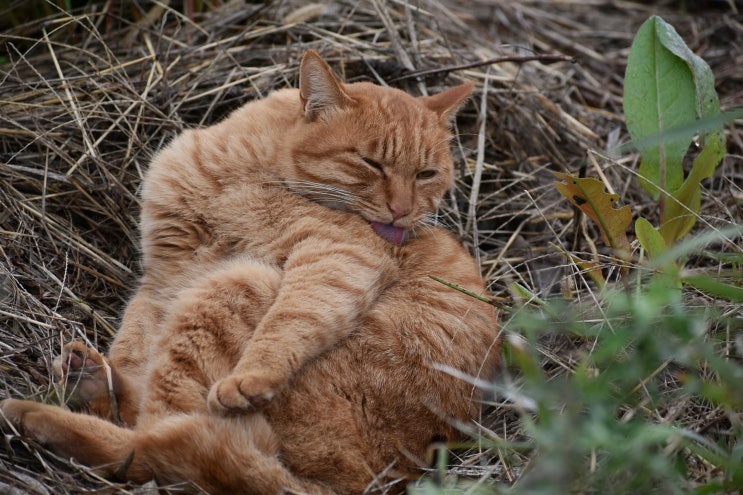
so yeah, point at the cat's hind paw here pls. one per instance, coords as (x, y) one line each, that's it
(82, 371)
(240, 394)
(12, 412)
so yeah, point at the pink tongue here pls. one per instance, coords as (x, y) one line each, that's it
(396, 235)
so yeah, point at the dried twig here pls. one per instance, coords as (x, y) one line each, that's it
(545, 59)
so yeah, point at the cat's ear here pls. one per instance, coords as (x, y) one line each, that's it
(319, 90)
(447, 103)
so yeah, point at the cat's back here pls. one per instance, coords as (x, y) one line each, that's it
(209, 180)
(199, 163)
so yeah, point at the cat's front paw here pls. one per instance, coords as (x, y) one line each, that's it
(240, 394)
(82, 370)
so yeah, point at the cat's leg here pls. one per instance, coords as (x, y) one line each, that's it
(89, 439)
(133, 348)
(326, 286)
(221, 455)
(175, 439)
(87, 376)
(205, 332)
(84, 375)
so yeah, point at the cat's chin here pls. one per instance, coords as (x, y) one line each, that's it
(387, 231)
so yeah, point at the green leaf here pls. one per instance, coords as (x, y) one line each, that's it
(521, 292)
(733, 258)
(681, 210)
(650, 239)
(713, 287)
(667, 87)
(659, 94)
(698, 242)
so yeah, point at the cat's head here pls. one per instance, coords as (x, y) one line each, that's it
(375, 151)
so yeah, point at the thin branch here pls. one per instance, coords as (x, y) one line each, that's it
(545, 59)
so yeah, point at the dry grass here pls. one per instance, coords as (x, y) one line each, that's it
(85, 99)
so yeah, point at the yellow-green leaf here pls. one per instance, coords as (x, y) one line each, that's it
(588, 194)
(650, 239)
(681, 209)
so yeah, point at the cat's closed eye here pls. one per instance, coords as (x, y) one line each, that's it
(422, 175)
(372, 163)
(426, 174)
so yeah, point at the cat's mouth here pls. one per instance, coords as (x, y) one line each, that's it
(387, 231)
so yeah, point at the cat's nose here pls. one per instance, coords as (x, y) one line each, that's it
(398, 210)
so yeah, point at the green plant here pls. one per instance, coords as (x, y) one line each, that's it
(669, 98)
(615, 420)
(607, 425)
(667, 89)
(618, 415)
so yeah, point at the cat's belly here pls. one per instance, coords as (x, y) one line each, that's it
(367, 406)
(335, 426)
(377, 400)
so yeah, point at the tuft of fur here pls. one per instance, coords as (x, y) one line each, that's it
(276, 341)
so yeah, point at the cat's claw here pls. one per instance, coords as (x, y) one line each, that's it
(240, 394)
(82, 370)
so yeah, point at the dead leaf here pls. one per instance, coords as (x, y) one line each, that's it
(588, 194)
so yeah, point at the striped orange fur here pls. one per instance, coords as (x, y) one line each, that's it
(286, 333)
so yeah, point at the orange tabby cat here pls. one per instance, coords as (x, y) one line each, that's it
(286, 335)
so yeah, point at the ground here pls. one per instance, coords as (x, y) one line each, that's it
(87, 96)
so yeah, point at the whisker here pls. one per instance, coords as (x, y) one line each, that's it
(421, 227)
(432, 219)
(429, 222)
(331, 196)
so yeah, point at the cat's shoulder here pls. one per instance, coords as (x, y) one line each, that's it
(435, 247)
(435, 235)
(282, 101)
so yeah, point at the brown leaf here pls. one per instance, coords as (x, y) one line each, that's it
(588, 194)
